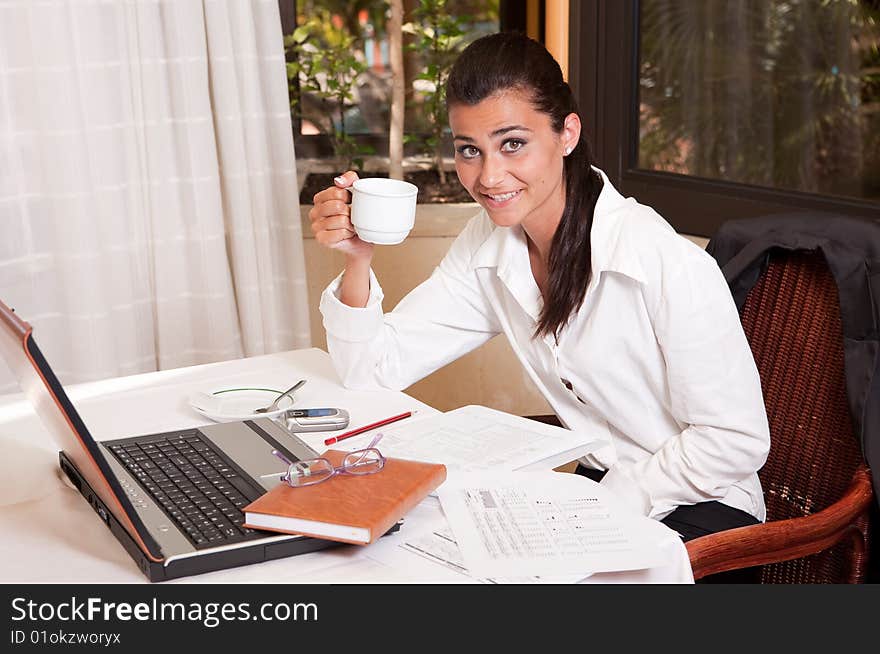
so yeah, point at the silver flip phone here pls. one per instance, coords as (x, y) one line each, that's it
(326, 419)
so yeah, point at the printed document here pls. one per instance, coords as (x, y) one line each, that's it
(545, 524)
(478, 438)
(440, 547)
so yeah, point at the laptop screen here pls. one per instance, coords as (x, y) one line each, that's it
(46, 395)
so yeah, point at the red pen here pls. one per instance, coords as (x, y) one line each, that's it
(361, 430)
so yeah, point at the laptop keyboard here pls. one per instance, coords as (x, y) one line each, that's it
(196, 485)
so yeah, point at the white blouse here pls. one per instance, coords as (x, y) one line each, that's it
(655, 360)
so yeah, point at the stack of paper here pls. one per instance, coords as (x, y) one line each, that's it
(479, 438)
(510, 518)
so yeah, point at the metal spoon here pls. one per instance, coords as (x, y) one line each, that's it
(274, 405)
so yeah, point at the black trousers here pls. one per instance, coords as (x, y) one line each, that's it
(695, 520)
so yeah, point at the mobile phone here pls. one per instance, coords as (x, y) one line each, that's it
(323, 419)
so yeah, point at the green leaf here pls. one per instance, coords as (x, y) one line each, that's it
(301, 33)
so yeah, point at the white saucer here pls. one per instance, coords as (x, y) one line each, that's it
(230, 405)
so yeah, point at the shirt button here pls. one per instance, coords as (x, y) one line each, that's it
(569, 386)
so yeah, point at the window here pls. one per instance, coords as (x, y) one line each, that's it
(354, 32)
(720, 109)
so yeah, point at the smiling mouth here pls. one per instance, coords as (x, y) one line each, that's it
(502, 197)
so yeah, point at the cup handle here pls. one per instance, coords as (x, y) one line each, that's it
(350, 193)
(351, 202)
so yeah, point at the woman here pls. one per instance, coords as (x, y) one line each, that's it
(626, 328)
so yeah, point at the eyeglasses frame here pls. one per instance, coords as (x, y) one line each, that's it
(335, 470)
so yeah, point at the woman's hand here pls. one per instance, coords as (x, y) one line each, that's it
(331, 220)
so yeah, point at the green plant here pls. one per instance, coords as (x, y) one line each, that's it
(326, 65)
(439, 37)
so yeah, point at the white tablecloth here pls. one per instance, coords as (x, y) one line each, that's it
(50, 534)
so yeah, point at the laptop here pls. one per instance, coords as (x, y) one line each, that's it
(173, 500)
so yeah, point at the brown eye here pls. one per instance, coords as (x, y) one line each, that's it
(512, 145)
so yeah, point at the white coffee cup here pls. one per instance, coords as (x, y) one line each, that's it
(383, 210)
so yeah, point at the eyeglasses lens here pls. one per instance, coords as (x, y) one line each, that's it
(305, 473)
(363, 462)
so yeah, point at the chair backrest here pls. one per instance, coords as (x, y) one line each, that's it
(791, 318)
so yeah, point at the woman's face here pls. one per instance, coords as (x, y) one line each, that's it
(510, 159)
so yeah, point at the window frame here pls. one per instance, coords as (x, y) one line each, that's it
(604, 58)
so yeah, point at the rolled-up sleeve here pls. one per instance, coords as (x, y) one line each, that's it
(714, 393)
(440, 320)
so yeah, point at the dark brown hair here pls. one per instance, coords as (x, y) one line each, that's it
(508, 60)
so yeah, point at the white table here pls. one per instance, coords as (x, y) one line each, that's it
(50, 534)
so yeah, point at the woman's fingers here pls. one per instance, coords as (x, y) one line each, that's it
(331, 218)
(332, 222)
(329, 208)
(330, 214)
(332, 237)
(346, 179)
(337, 192)
(333, 193)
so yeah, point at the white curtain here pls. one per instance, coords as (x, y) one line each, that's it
(148, 197)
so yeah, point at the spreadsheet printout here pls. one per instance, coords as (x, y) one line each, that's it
(543, 523)
(439, 546)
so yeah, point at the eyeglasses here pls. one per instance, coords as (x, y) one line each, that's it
(309, 472)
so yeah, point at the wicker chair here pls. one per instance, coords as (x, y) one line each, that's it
(816, 485)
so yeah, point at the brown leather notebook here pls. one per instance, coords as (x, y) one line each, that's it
(354, 509)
